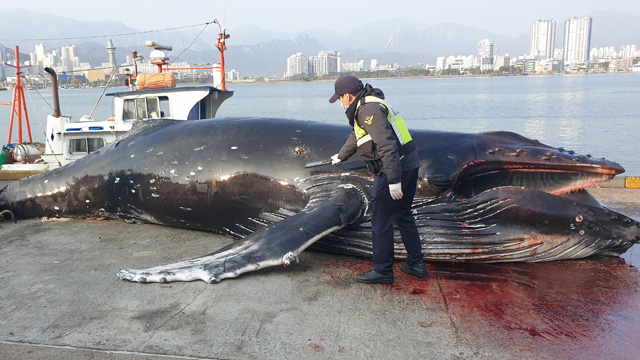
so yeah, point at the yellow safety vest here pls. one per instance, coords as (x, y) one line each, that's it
(394, 118)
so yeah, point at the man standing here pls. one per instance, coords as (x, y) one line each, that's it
(382, 139)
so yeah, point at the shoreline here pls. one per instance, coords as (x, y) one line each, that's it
(331, 78)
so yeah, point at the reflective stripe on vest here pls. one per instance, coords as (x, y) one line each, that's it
(396, 121)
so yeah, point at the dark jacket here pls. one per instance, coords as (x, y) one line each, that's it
(372, 117)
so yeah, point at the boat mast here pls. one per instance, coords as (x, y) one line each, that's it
(221, 45)
(18, 104)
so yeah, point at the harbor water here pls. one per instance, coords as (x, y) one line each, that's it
(61, 298)
(593, 114)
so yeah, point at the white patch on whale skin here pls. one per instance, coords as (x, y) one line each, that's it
(200, 148)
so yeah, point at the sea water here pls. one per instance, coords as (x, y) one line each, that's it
(597, 114)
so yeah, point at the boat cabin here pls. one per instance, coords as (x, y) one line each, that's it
(70, 140)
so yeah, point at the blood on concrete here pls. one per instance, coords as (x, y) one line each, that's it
(558, 310)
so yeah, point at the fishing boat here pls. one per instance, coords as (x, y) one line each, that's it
(149, 96)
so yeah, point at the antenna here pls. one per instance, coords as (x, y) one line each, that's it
(157, 46)
(158, 56)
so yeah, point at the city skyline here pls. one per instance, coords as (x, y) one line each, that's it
(541, 35)
(341, 17)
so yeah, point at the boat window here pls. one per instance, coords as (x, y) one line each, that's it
(129, 109)
(85, 145)
(141, 109)
(153, 108)
(146, 108)
(198, 111)
(165, 109)
(94, 144)
(77, 146)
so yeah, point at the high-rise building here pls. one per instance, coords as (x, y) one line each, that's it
(543, 38)
(328, 62)
(629, 52)
(296, 65)
(440, 63)
(577, 40)
(40, 56)
(501, 61)
(485, 54)
(68, 58)
(353, 66)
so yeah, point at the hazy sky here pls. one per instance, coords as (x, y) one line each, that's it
(501, 17)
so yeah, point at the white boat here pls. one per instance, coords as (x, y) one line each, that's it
(68, 140)
(635, 68)
(154, 96)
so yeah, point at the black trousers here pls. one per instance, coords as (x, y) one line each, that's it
(385, 213)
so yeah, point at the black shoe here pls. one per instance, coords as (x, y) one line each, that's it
(417, 271)
(372, 277)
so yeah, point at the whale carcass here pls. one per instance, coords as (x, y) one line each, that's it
(486, 197)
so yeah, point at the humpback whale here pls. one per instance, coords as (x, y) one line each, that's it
(484, 197)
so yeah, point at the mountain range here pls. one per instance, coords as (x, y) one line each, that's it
(255, 52)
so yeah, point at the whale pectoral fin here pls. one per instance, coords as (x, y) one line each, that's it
(276, 245)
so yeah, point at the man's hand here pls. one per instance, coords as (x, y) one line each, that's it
(335, 160)
(396, 191)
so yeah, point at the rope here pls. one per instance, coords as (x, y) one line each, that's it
(109, 35)
(93, 68)
(194, 40)
(43, 99)
(113, 73)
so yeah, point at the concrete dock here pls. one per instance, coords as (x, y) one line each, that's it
(60, 299)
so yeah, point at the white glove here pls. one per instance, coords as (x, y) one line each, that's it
(396, 191)
(335, 160)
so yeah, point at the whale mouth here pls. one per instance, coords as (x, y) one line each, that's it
(556, 182)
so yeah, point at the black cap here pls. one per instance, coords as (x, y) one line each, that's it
(346, 85)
